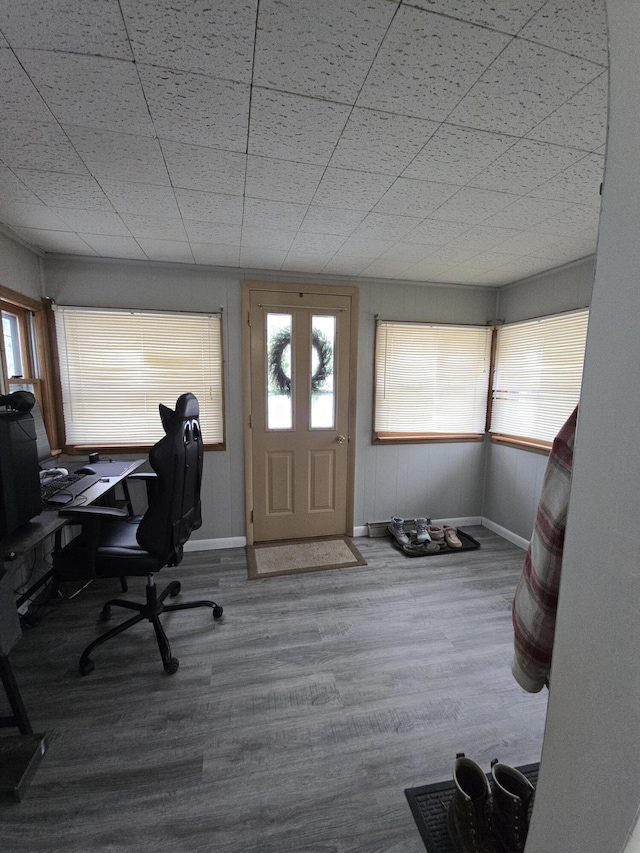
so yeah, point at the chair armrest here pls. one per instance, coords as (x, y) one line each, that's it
(142, 475)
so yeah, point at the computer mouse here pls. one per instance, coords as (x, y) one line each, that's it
(86, 469)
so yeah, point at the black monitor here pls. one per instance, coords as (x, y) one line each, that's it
(20, 499)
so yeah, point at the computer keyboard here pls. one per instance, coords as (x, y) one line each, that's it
(70, 485)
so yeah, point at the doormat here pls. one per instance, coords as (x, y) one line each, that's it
(429, 806)
(303, 555)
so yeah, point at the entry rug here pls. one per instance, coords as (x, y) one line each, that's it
(303, 555)
(429, 805)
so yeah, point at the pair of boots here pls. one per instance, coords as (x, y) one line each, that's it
(485, 818)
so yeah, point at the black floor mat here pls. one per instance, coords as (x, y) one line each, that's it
(429, 805)
(468, 544)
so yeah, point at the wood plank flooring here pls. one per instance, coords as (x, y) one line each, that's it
(293, 724)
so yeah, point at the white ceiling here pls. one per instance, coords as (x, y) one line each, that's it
(458, 141)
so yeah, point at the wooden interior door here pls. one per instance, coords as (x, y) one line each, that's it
(300, 404)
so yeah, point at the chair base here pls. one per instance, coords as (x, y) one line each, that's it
(150, 610)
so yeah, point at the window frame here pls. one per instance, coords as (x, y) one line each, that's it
(143, 446)
(379, 437)
(34, 320)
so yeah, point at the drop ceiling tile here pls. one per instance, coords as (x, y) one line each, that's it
(3, 41)
(509, 16)
(451, 254)
(579, 183)
(581, 122)
(426, 63)
(281, 180)
(155, 227)
(293, 127)
(207, 38)
(267, 238)
(384, 226)
(167, 250)
(210, 207)
(331, 220)
(305, 263)
(432, 232)
(578, 27)
(319, 49)
(341, 265)
(410, 197)
(527, 242)
(524, 85)
(305, 242)
(195, 168)
(89, 91)
(472, 205)
(33, 216)
(364, 246)
(384, 269)
(455, 155)
(31, 145)
(199, 110)
(103, 222)
(574, 220)
(114, 247)
(216, 254)
(273, 214)
(61, 190)
(563, 251)
(525, 213)
(425, 271)
(525, 166)
(203, 232)
(119, 156)
(351, 190)
(405, 254)
(374, 141)
(19, 98)
(73, 25)
(59, 242)
(12, 189)
(480, 238)
(141, 198)
(262, 258)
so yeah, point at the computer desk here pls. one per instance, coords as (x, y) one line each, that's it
(21, 754)
(28, 536)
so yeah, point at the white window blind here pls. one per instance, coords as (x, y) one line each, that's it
(538, 375)
(117, 366)
(430, 379)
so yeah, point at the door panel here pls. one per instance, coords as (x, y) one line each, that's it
(299, 403)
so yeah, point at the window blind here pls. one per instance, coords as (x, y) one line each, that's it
(430, 379)
(538, 375)
(117, 366)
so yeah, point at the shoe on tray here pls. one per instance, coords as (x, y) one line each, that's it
(451, 536)
(396, 529)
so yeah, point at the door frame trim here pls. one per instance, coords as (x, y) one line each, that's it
(248, 286)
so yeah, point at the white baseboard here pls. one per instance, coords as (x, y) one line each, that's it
(506, 534)
(215, 544)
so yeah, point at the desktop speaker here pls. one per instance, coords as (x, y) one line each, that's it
(19, 478)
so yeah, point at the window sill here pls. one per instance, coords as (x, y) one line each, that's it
(522, 443)
(425, 438)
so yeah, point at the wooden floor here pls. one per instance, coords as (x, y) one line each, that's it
(293, 724)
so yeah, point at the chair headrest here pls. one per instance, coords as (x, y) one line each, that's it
(187, 407)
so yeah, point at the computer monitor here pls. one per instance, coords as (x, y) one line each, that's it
(20, 497)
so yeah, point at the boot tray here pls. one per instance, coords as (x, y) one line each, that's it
(429, 805)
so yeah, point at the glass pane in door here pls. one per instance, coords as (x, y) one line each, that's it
(279, 372)
(323, 340)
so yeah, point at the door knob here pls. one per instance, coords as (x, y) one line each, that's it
(341, 439)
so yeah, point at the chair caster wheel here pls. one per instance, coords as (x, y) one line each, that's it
(105, 613)
(217, 611)
(171, 666)
(86, 666)
(175, 589)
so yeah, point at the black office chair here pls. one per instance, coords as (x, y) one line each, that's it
(113, 544)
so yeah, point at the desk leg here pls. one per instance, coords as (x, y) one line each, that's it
(20, 717)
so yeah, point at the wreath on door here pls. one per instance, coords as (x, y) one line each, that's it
(278, 374)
